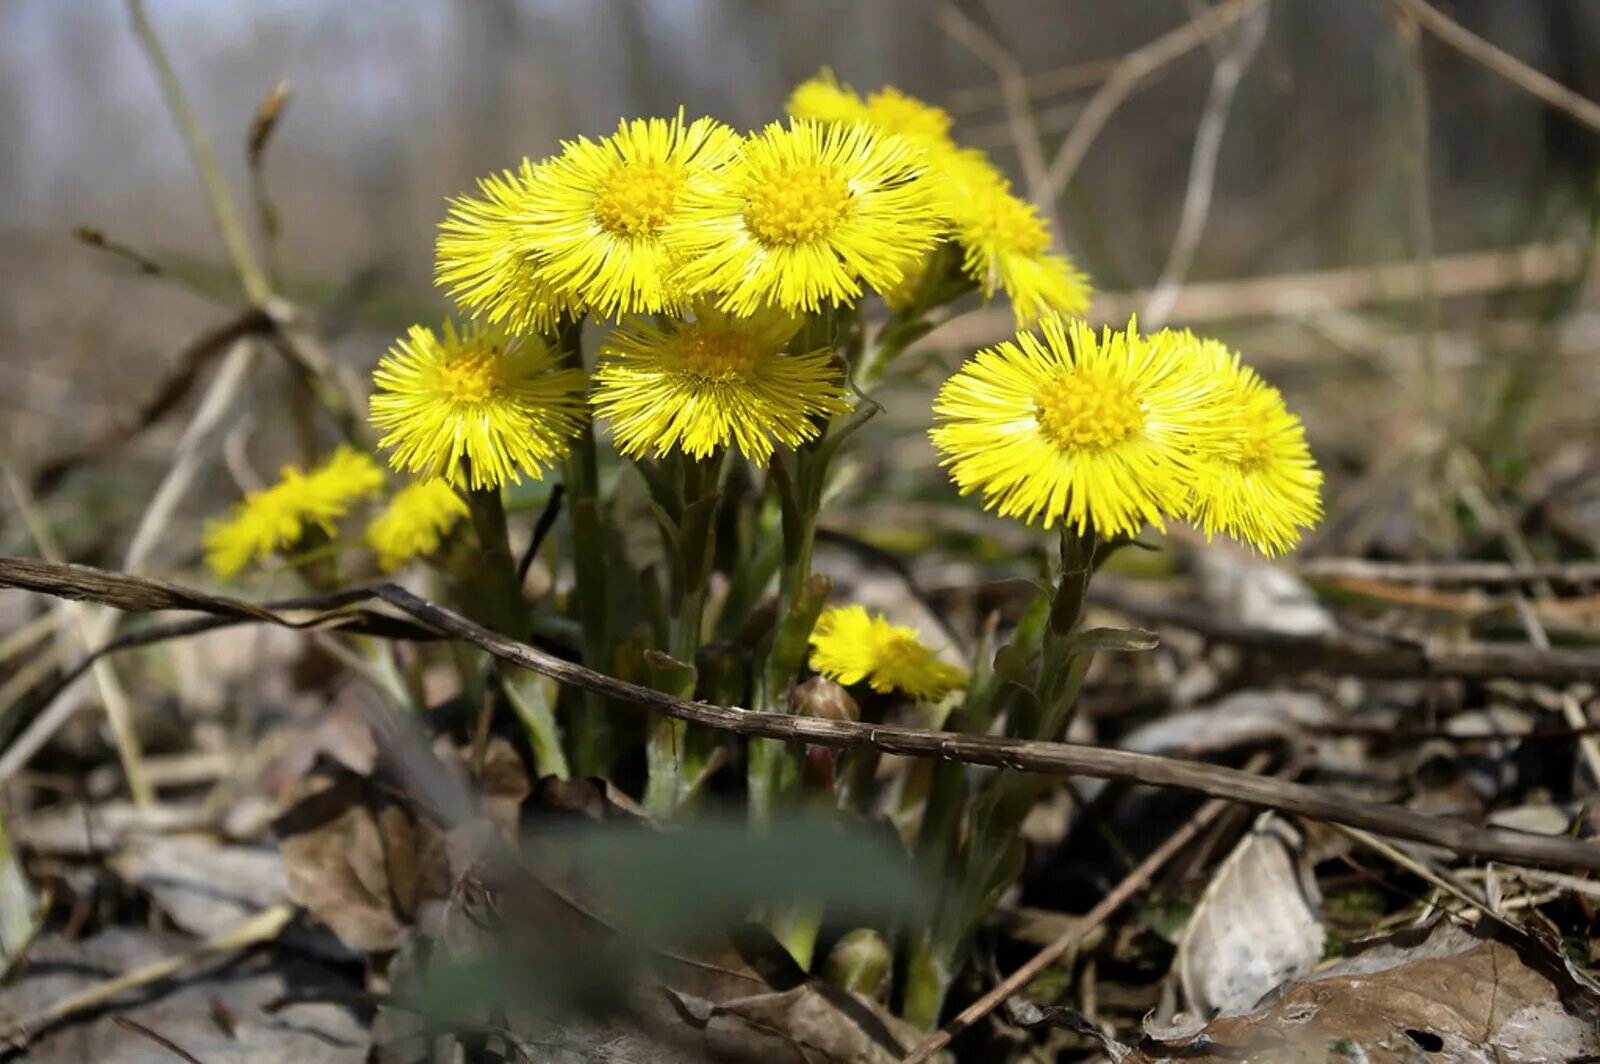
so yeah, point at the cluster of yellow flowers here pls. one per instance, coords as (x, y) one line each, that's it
(715, 256)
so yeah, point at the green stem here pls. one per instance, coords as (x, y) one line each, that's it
(591, 727)
(529, 699)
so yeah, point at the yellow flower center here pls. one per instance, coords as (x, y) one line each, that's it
(636, 199)
(797, 206)
(717, 355)
(471, 377)
(1255, 449)
(1014, 224)
(900, 651)
(1089, 411)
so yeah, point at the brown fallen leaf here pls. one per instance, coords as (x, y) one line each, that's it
(1443, 993)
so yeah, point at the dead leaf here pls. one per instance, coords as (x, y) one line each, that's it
(1443, 993)
(1258, 924)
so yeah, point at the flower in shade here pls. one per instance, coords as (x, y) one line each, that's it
(475, 406)
(850, 645)
(808, 214)
(602, 213)
(713, 380)
(1006, 245)
(1263, 487)
(276, 518)
(415, 522)
(1107, 432)
(489, 257)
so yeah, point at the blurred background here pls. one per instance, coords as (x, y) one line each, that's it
(1354, 141)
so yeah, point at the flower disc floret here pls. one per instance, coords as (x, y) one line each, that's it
(1104, 432)
(808, 214)
(713, 381)
(477, 406)
(851, 646)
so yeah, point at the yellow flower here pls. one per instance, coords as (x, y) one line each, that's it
(1264, 487)
(415, 522)
(1107, 433)
(602, 213)
(808, 213)
(824, 99)
(275, 518)
(1006, 246)
(697, 385)
(476, 407)
(849, 645)
(489, 259)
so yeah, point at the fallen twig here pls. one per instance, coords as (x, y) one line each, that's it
(1049, 758)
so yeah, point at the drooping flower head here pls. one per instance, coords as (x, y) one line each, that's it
(415, 522)
(1263, 487)
(1104, 432)
(602, 213)
(1005, 245)
(489, 256)
(476, 406)
(713, 380)
(275, 518)
(850, 645)
(807, 214)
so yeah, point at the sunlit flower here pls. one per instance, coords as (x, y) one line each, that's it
(1264, 487)
(489, 257)
(415, 522)
(477, 407)
(807, 214)
(1106, 433)
(277, 517)
(850, 645)
(601, 213)
(1005, 246)
(713, 381)
(824, 99)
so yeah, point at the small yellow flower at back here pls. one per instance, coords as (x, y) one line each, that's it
(476, 406)
(1005, 245)
(713, 381)
(808, 214)
(275, 518)
(1103, 432)
(489, 258)
(824, 99)
(1264, 487)
(415, 522)
(850, 645)
(602, 213)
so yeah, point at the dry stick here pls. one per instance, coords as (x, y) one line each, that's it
(1134, 68)
(1049, 758)
(1019, 110)
(1506, 65)
(1080, 930)
(262, 927)
(1299, 295)
(159, 1039)
(1051, 82)
(1225, 77)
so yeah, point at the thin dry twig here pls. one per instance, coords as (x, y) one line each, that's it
(1048, 758)
(1080, 929)
(1508, 66)
(1131, 71)
(159, 1039)
(1225, 77)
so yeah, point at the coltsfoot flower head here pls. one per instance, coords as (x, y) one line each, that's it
(1102, 432)
(711, 381)
(489, 256)
(1005, 246)
(476, 406)
(277, 517)
(824, 99)
(602, 214)
(415, 522)
(850, 645)
(809, 213)
(1263, 487)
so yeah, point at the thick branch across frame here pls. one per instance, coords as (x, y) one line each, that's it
(1049, 758)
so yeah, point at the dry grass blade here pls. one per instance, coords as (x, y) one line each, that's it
(1048, 758)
